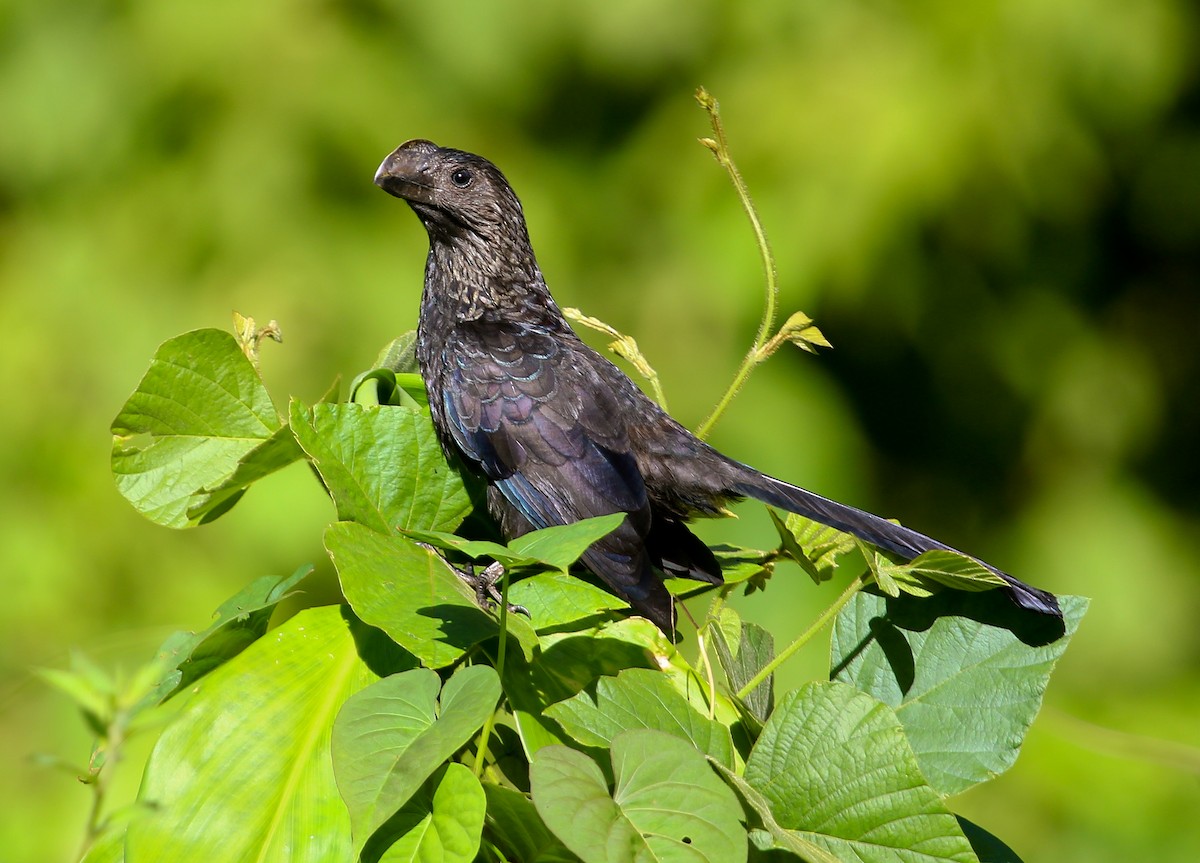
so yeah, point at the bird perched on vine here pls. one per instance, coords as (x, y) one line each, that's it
(559, 433)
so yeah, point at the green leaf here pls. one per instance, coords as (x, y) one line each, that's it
(243, 772)
(383, 466)
(560, 546)
(947, 568)
(442, 821)
(199, 411)
(667, 805)
(836, 767)
(965, 673)
(400, 355)
(555, 599)
(407, 591)
(779, 837)
(240, 620)
(815, 546)
(640, 698)
(556, 547)
(273, 454)
(514, 824)
(748, 656)
(390, 737)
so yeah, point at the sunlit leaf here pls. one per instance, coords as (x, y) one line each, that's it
(965, 673)
(667, 804)
(200, 409)
(879, 809)
(243, 772)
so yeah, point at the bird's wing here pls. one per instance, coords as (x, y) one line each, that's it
(549, 433)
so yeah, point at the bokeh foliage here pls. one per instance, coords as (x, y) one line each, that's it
(992, 210)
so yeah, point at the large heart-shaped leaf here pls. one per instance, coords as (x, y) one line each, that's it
(199, 411)
(667, 804)
(965, 673)
(836, 768)
(244, 772)
(390, 737)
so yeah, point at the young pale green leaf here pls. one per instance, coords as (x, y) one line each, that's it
(555, 599)
(243, 772)
(667, 804)
(755, 648)
(407, 591)
(382, 465)
(879, 809)
(947, 568)
(197, 415)
(390, 737)
(240, 620)
(965, 673)
(442, 821)
(815, 546)
(400, 355)
(640, 698)
(514, 825)
(555, 547)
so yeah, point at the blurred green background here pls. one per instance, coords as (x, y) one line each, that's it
(992, 209)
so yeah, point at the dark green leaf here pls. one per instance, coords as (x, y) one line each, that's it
(514, 824)
(965, 673)
(190, 427)
(836, 767)
(749, 655)
(987, 847)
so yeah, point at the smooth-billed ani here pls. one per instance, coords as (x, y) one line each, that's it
(559, 432)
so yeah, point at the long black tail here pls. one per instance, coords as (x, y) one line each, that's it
(878, 531)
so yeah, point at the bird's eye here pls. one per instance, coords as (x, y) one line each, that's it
(461, 178)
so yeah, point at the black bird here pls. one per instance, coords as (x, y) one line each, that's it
(559, 432)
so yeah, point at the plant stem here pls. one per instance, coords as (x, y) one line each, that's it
(719, 147)
(490, 723)
(827, 615)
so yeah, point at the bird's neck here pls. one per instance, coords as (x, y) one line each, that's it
(469, 278)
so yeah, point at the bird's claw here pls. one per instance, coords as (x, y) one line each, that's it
(487, 594)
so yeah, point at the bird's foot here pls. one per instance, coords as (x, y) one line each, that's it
(487, 593)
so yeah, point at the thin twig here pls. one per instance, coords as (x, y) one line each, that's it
(719, 147)
(827, 615)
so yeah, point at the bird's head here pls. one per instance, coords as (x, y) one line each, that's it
(451, 191)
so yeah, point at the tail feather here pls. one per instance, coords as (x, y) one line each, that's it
(880, 532)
